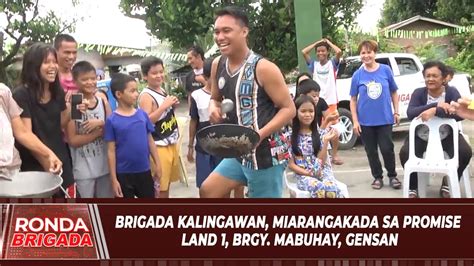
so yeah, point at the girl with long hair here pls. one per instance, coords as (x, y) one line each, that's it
(44, 108)
(310, 162)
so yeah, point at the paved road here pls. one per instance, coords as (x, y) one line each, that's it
(355, 172)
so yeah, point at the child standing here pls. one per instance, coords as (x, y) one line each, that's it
(310, 153)
(88, 149)
(205, 163)
(324, 70)
(159, 107)
(129, 143)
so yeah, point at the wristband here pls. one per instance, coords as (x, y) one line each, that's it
(396, 114)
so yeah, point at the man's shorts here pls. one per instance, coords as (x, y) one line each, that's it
(265, 183)
(331, 108)
(170, 171)
(99, 187)
(205, 164)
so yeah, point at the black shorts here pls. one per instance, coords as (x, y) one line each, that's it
(138, 185)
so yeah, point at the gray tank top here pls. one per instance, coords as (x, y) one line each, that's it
(90, 160)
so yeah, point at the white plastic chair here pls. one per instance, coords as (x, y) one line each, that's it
(466, 174)
(434, 161)
(343, 188)
(295, 192)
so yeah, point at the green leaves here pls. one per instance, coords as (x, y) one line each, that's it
(24, 24)
(272, 28)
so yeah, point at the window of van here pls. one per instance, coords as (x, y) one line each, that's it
(348, 67)
(406, 66)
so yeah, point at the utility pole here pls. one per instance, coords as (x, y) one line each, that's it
(308, 26)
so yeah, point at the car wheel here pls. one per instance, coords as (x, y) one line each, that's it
(347, 139)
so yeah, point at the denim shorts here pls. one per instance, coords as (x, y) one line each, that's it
(265, 183)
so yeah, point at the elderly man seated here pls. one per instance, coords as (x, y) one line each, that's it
(12, 128)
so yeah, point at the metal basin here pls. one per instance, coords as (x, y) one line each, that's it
(30, 185)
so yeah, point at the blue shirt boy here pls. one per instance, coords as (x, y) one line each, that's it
(130, 134)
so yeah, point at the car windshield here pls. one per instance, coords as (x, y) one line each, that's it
(348, 67)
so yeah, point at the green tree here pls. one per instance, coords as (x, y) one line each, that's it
(25, 24)
(272, 29)
(339, 14)
(455, 11)
(397, 10)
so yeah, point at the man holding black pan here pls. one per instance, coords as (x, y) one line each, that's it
(262, 102)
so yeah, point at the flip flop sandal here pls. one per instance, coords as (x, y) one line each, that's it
(412, 194)
(444, 190)
(377, 184)
(395, 183)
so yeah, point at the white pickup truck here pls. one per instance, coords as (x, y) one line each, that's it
(407, 70)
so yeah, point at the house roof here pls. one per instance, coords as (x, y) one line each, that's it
(403, 23)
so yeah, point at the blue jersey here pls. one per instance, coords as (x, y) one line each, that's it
(104, 85)
(374, 89)
(130, 134)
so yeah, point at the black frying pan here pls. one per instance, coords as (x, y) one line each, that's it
(227, 140)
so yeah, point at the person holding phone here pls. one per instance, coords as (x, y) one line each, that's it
(44, 110)
(85, 135)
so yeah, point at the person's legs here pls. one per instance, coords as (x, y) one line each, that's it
(126, 185)
(239, 192)
(166, 161)
(420, 148)
(384, 139)
(143, 184)
(175, 166)
(175, 170)
(464, 151)
(465, 154)
(404, 155)
(204, 167)
(327, 188)
(213, 163)
(335, 157)
(369, 138)
(227, 176)
(335, 142)
(464, 157)
(265, 183)
(103, 187)
(86, 187)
